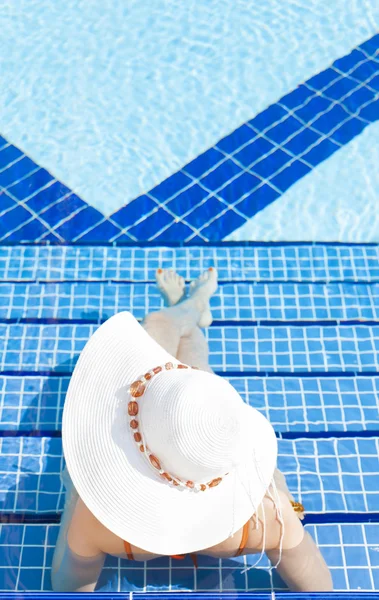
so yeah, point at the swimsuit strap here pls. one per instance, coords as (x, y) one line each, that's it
(245, 536)
(128, 550)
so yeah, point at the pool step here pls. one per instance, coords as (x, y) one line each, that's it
(292, 404)
(351, 552)
(336, 475)
(287, 262)
(233, 301)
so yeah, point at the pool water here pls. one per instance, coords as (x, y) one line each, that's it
(187, 136)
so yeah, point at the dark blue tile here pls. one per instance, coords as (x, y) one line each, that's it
(205, 212)
(254, 151)
(279, 133)
(151, 225)
(272, 163)
(132, 212)
(346, 63)
(341, 88)
(331, 119)
(187, 199)
(182, 578)
(79, 223)
(29, 232)
(221, 227)
(177, 232)
(30, 579)
(9, 579)
(257, 201)
(370, 112)
(47, 196)
(290, 175)
(17, 171)
(171, 186)
(104, 232)
(371, 46)
(361, 96)
(217, 178)
(239, 187)
(3, 142)
(314, 107)
(348, 131)
(365, 71)
(6, 202)
(61, 210)
(320, 152)
(235, 140)
(31, 184)
(322, 79)
(50, 237)
(268, 117)
(297, 97)
(8, 155)
(302, 141)
(204, 162)
(11, 534)
(374, 83)
(12, 219)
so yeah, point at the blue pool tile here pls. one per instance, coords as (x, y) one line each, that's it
(279, 133)
(290, 175)
(3, 142)
(331, 119)
(83, 220)
(17, 171)
(47, 196)
(256, 201)
(302, 141)
(374, 83)
(205, 212)
(347, 63)
(297, 97)
(348, 131)
(129, 214)
(221, 227)
(8, 155)
(254, 151)
(365, 71)
(62, 210)
(186, 200)
(176, 231)
(11, 534)
(204, 162)
(323, 79)
(171, 186)
(271, 164)
(30, 232)
(268, 117)
(103, 231)
(6, 202)
(152, 225)
(30, 579)
(30, 185)
(361, 96)
(8, 579)
(370, 112)
(371, 46)
(221, 175)
(314, 107)
(320, 152)
(237, 188)
(12, 219)
(235, 140)
(340, 88)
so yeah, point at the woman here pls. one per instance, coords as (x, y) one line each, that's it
(164, 458)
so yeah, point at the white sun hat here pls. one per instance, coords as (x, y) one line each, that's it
(173, 464)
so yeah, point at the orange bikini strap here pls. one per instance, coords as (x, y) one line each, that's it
(128, 550)
(245, 535)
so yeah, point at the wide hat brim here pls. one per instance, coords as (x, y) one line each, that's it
(114, 479)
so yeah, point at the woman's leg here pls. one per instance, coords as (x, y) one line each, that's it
(180, 322)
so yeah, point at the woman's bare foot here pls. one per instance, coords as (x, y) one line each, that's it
(202, 289)
(171, 286)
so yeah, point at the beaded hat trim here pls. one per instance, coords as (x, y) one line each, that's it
(136, 391)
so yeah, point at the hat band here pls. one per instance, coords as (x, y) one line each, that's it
(136, 391)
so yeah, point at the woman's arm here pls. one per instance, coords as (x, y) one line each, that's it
(80, 560)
